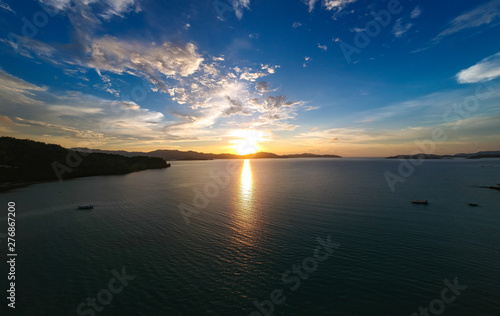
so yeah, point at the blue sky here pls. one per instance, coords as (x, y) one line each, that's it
(350, 77)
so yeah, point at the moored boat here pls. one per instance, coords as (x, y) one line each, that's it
(85, 207)
(425, 202)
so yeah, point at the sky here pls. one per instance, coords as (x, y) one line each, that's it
(349, 77)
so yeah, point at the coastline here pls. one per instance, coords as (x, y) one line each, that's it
(8, 186)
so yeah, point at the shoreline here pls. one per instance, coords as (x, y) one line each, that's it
(8, 186)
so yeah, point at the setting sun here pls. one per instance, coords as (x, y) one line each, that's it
(246, 142)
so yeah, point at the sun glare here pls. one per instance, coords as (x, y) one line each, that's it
(247, 141)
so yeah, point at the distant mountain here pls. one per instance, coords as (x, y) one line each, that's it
(417, 156)
(308, 155)
(485, 154)
(23, 160)
(478, 155)
(165, 154)
(194, 155)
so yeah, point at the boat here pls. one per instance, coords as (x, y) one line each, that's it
(425, 202)
(85, 207)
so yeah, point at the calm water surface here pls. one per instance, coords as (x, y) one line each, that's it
(255, 225)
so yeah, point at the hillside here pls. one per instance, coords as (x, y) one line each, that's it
(484, 154)
(23, 160)
(478, 155)
(417, 156)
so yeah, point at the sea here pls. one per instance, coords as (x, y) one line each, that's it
(260, 237)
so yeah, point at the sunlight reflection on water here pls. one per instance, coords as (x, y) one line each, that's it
(246, 186)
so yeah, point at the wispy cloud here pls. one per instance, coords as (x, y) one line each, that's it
(471, 128)
(483, 15)
(322, 47)
(400, 27)
(306, 61)
(118, 56)
(430, 108)
(6, 6)
(337, 5)
(78, 117)
(239, 6)
(311, 4)
(108, 9)
(17, 91)
(109, 54)
(276, 112)
(415, 13)
(331, 5)
(357, 29)
(485, 70)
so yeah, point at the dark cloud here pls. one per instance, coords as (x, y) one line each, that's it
(236, 108)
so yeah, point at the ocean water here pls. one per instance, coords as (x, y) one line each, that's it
(259, 220)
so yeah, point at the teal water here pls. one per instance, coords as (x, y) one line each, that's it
(392, 257)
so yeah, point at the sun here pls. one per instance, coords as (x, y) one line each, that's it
(247, 141)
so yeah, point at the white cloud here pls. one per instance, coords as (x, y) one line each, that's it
(270, 69)
(322, 47)
(179, 95)
(337, 5)
(482, 15)
(57, 4)
(401, 28)
(239, 6)
(154, 62)
(276, 112)
(6, 6)
(357, 30)
(74, 116)
(296, 25)
(306, 61)
(252, 76)
(109, 7)
(119, 7)
(30, 48)
(485, 70)
(119, 56)
(311, 4)
(416, 12)
(55, 129)
(17, 91)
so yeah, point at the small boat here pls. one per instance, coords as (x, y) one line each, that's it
(425, 202)
(85, 207)
(474, 205)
